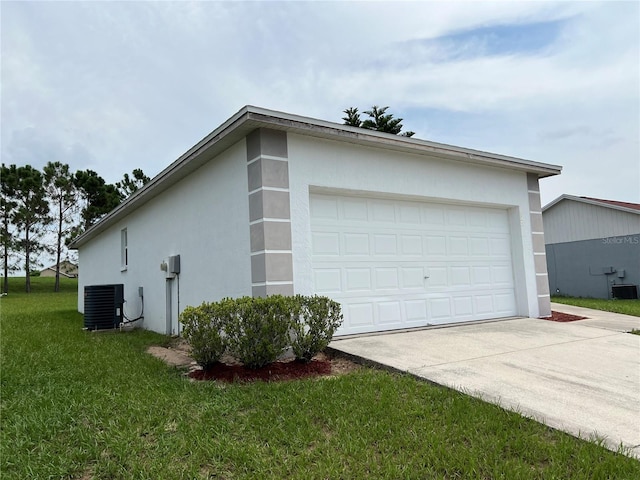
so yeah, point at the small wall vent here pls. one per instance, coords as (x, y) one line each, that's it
(103, 306)
(625, 292)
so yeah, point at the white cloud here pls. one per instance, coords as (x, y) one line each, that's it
(136, 84)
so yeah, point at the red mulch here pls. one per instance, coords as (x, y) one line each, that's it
(277, 371)
(563, 317)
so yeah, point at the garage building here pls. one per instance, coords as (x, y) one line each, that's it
(402, 232)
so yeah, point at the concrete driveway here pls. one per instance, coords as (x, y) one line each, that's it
(580, 377)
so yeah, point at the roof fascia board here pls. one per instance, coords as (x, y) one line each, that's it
(330, 130)
(251, 117)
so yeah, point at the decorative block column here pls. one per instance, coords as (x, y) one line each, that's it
(269, 213)
(537, 240)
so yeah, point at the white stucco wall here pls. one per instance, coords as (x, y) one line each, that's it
(322, 165)
(204, 218)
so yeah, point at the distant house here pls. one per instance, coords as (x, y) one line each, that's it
(592, 247)
(402, 232)
(67, 269)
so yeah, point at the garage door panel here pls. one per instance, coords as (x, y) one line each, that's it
(433, 214)
(460, 276)
(355, 209)
(501, 275)
(412, 277)
(479, 247)
(389, 313)
(372, 255)
(386, 278)
(416, 311)
(385, 244)
(327, 280)
(504, 303)
(463, 307)
(383, 211)
(438, 277)
(436, 246)
(356, 244)
(456, 217)
(482, 275)
(499, 247)
(410, 214)
(457, 246)
(483, 304)
(324, 207)
(325, 243)
(357, 279)
(411, 245)
(439, 309)
(360, 315)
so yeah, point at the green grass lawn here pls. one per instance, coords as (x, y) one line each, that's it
(628, 307)
(86, 405)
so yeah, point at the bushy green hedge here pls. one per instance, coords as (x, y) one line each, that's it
(314, 321)
(203, 329)
(256, 331)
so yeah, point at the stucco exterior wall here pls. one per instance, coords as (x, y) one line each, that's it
(328, 166)
(202, 218)
(571, 221)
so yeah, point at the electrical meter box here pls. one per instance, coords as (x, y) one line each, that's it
(174, 264)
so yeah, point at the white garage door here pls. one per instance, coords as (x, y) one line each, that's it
(400, 264)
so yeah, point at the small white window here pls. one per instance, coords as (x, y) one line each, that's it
(124, 251)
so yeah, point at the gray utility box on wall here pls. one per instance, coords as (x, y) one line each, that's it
(174, 264)
(103, 306)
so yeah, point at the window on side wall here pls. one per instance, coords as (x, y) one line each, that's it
(124, 250)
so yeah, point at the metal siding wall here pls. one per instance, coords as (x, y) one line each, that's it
(576, 268)
(571, 221)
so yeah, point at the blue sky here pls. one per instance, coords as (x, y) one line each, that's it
(113, 86)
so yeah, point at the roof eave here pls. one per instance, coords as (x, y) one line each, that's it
(330, 130)
(250, 117)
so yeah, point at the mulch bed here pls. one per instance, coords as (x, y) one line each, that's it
(563, 317)
(277, 371)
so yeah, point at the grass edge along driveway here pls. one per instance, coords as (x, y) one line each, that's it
(94, 405)
(627, 307)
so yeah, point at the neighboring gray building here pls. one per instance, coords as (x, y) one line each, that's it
(592, 247)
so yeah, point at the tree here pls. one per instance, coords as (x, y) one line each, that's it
(99, 197)
(130, 185)
(378, 120)
(8, 204)
(63, 195)
(30, 216)
(352, 118)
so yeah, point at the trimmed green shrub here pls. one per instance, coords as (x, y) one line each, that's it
(257, 331)
(202, 328)
(314, 321)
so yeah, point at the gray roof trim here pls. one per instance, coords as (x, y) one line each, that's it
(588, 201)
(345, 133)
(249, 118)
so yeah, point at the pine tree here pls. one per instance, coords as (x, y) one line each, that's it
(31, 216)
(63, 195)
(8, 204)
(132, 184)
(378, 120)
(99, 197)
(352, 118)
